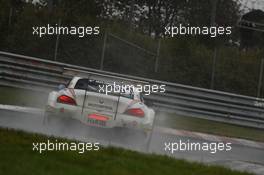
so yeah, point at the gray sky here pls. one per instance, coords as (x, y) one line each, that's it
(246, 4)
(253, 4)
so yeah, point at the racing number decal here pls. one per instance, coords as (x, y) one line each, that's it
(96, 122)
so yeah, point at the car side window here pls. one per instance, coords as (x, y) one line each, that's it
(81, 84)
(87, 84)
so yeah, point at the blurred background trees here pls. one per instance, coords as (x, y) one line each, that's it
(183, 59)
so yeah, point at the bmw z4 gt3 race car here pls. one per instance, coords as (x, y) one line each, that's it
(83, 101)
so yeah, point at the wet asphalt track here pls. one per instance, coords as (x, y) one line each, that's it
(240, 157)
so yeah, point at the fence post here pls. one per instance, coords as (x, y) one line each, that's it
(57, 43)
(213, 15)
(157, 57)
(103, 52)
(260, 77)
(10, 18)
(213, 68)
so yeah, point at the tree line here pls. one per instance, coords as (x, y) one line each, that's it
(183, 59)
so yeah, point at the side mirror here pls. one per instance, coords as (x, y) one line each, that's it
(61, 87)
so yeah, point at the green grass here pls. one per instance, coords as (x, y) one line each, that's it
(211, 127)
(17, 157)
(15, 96)
(22, 97)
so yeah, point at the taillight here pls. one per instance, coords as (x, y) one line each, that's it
(66, 100)
(135, 112)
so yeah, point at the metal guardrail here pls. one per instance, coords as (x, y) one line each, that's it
(43, 75)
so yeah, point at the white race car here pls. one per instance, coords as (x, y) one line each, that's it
(83, 101)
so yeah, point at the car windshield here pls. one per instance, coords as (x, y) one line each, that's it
(100, 87)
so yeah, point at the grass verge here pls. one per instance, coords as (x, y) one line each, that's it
(22, 97)
(17, 157)
(210, 127)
